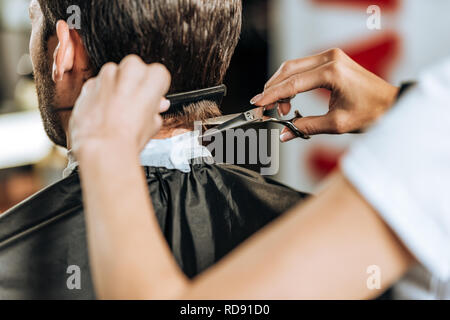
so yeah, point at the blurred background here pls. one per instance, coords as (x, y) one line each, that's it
(413, 35)
(28, 160)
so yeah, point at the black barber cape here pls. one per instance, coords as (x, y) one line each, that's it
(203, 214)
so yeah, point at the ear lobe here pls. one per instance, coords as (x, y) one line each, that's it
(63, 57)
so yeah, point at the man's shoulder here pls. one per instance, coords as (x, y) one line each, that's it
(40, 239)
(53, 202)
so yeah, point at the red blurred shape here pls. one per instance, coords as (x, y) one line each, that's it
(322, 160)
(388, 5)
(377, 54)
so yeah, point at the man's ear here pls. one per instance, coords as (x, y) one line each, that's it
(64, 55)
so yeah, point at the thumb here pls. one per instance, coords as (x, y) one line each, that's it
(309, 126)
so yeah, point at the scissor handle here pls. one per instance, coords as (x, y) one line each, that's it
(290, 124)
(287, 123)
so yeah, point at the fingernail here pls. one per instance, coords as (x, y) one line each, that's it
(257, 98)
(165, 105)
(280, 111)
(286, 136)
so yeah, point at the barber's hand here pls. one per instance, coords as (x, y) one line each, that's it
(358, 97)
(121, 106)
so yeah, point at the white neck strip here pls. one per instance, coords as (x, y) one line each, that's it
(173, 153)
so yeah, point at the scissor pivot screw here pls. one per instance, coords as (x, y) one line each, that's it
(249, 116)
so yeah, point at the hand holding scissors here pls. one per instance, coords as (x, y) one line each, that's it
(256, 115)
(358, 97)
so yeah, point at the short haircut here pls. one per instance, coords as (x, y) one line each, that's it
(194, 39)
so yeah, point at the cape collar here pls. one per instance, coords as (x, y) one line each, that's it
(174, 153)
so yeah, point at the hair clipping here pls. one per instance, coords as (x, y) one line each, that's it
(180, 100)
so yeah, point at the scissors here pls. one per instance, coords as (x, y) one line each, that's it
(256, 115)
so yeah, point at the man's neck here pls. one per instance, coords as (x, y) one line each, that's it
(164, 133)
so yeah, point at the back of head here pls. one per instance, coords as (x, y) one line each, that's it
(194, 39)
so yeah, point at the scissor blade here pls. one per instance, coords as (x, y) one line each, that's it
(220, 120)
(235, 121)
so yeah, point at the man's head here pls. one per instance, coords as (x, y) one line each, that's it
(194, 39)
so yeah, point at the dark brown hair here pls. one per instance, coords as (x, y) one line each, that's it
(194, 39)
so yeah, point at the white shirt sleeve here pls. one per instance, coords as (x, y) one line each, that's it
(402, 168)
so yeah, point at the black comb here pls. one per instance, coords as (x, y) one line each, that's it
(180, 100)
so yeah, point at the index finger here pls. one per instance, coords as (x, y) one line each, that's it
(295, 84)
(293, 67)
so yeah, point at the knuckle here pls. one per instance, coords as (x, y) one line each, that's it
(340, 123)
(131, 60)
(292, 84)
(108, 69)
(285, 66)
(335, 54)
(90, 83)
(88, 86)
